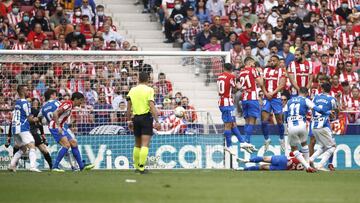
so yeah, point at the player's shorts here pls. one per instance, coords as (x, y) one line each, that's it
(297, 132)
(251, 108)
(143, 125)
(227, 114)
(37, 138)
(278, 162)
(57, 136)
(324, 136)
(23, 138)
(273, 105)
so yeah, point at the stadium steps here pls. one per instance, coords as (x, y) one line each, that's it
(144, 32)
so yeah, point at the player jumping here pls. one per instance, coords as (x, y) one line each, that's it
(275, 81)
(320, 125)
(225, 83)
(21, 130)
(295, 113)
(248, 77)
(56, 127)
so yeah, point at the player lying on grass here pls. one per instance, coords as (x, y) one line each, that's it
(275, 163)
(66, 141)
(225, 83)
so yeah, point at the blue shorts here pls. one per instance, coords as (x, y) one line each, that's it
(273, 105)
(278, 162)
(227, 114)
(251, 108)
(57, 136)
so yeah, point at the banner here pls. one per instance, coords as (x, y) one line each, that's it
(177, 151)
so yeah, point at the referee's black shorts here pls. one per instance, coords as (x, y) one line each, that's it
(37, 138)
(143, 124)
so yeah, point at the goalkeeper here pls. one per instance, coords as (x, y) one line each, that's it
(141, 112)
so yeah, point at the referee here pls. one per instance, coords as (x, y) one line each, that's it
(141, 112)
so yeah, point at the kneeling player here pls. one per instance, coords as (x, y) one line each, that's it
(275, 163)
(56, 126)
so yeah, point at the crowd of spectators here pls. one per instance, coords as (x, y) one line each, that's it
(73, 25)
(327, 30)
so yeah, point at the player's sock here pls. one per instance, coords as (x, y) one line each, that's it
(256, 159)
(327, 154)
(48, 159)
(300, 157)
(248, 132)
(252, 168)
(32, 157)
(144, 151)
(136, 156)
(60, 156)
(228, 134)
(236, 132)
(305, 152)
(316, 154)
(281, 130)
(76, 153)
(16, 158)
(331, 159)
(265, 129)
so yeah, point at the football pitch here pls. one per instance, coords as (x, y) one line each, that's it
(180, 186)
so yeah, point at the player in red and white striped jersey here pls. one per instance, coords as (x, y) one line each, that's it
(274, 82)
(349, 75)
(226, 83)
(66, 140)
(300, 72)
(249, 77)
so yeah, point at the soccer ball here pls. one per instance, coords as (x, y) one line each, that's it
(179, 112)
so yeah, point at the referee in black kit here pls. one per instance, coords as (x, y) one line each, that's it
(141, 113)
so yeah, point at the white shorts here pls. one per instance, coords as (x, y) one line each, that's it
(297, 134)
(23, 138)
(324, 137)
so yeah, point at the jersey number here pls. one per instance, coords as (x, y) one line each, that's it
(16, 117)
(294, 109)
(221, 86)
(246, 80)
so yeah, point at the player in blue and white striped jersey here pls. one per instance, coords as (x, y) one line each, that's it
(295, 113)
(320, 125)
(21, 130)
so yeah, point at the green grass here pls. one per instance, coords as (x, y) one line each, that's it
(180, 186)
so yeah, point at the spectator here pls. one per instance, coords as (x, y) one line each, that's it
(117, 97)
(91, 96)
(319, 46)
(86, 9)
(15, 16)
(269, 4)
(283, 9)
(75, 17)
(349, 75)
(282, 28)
(125, 46)
(293, 21)
(96, 44)
(121, 112)
(301, 10)
(217, 29)
(272, 18)
(286, 54)
(99, 19)
(213, 45)
(101, 113)
(63, 28)
(235, 23)
(353, 105)
(87, 29)
(344, 10)
(202, 13)
(164, 86)
(40, 19)
(253, 40)
(21, 44)
(260, 26)
(110, 35)
(36, 37)
(216, 7)
(79, 3)
(61, 43)
(232, 39)
(248, 53)
(248, 17)
(174, 21)
(336, 88)
(203, 37)
(190, 34)
(306, 31)
(278, 41)
(260, 52)
(273, 51)
(190, 114)
(57, 17)
(324, 69)
(23, 26)
(109, 21)
(77, 36)
(244, 37)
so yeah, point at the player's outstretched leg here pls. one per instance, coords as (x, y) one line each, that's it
(15, 159)
(77, 156)
(46, 154)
